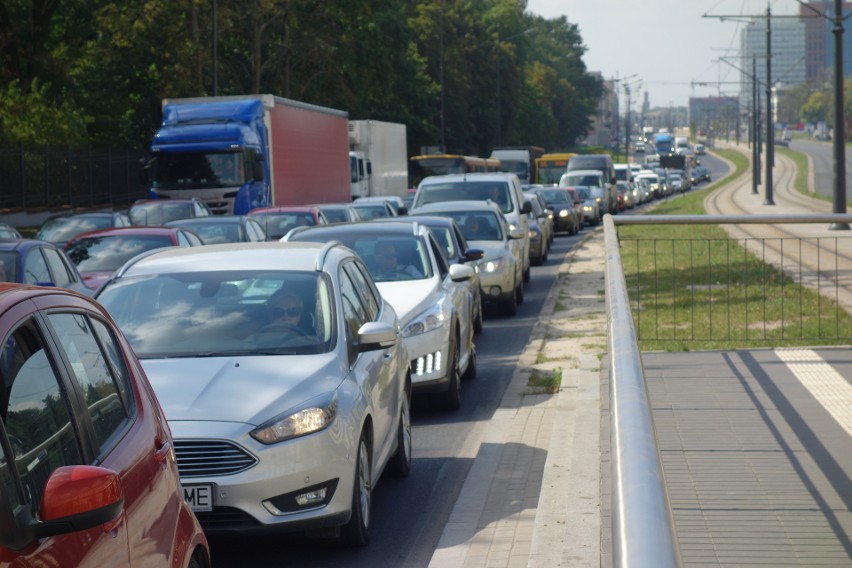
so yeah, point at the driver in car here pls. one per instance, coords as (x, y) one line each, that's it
(387, 262)
(284, 308)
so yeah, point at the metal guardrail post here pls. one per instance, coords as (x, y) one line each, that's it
(643, 530)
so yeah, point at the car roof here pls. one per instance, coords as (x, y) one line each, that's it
(285, 209)
(212, 219)
(477, 176)
(301, 256)
(132, 231)
(399, 226)
(584, 172)
(20, 244)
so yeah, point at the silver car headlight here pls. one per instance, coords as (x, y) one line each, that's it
(429, 320)
(496, 264)
(512, 226)
(307, 420)
(563, 213)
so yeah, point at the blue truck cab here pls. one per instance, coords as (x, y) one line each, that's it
(215, 151)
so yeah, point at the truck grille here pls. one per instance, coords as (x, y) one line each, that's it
(196, 458)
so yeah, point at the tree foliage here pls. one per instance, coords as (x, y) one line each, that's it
(468, 75)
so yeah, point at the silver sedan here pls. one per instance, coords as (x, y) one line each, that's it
(282, 376)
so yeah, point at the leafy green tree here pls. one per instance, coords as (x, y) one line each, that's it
(815, 109)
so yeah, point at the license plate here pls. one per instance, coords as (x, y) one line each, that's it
(199, 497)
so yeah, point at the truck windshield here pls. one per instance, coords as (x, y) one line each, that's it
(191, 170)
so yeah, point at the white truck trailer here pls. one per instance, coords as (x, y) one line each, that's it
(378, 154)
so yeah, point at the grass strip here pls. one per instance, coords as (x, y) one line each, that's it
(693, 288)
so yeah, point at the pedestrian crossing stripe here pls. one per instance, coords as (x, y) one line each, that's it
(824, 383)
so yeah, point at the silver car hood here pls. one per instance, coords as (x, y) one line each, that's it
(243, 389)
(409, 297)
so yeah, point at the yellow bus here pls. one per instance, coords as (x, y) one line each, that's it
(420, 167)
(550, 167)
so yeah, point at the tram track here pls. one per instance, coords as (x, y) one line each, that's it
(811, 254)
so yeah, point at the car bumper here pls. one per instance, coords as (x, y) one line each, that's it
(429, 356)
(261, 497)
(498, 285)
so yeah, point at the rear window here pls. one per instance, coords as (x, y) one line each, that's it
(496, 191)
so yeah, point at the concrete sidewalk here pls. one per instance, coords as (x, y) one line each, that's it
(533, 495)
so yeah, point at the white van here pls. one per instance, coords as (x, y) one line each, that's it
(504, 189)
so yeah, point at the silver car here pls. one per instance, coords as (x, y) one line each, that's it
(282, 378)
(484, 227)
(434, 306)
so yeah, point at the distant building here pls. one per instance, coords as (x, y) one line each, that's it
(605, 122)
(788, 56)
(819, 38)
(714, 114)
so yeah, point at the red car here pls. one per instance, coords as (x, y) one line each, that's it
(98, 254)
(278, 221)
(88, 476)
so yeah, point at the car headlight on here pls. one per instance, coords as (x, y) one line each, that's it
(496, 264)
(306, 420)
(512, 226)
(563, 213)
(429, 320)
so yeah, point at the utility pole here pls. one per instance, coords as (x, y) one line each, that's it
(215, 54)
(770, 123)
(755, 128)
(839, 139)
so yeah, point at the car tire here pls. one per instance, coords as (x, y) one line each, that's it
(477, 319)
(470, 372)
(509, 307)
(451, 398)
(519, 293)
(400, 463)
(527, 274)
(357, 531)
(194, 562)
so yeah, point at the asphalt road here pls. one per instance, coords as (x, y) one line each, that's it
(822, 154)
(409, 514)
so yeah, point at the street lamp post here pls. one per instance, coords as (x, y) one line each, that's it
(770, 123)
(215, 55)
(839, 139)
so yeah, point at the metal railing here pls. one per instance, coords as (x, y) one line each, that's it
(643, 532)
(34, 177)
(752, 288)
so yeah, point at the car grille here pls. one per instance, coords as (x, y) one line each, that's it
(196, 458)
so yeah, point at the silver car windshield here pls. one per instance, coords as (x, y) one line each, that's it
(223, 313)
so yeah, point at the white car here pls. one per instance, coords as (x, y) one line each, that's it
(282, 378)
(434, 306)
(501, 267)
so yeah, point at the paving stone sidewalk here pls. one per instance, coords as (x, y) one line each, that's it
(533, 495)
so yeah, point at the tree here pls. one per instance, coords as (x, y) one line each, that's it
(816, 109)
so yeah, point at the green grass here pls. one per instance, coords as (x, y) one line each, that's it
(699, 290)
(544, 382)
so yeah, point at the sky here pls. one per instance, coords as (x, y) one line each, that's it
(664, 47)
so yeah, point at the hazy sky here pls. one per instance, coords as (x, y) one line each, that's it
(667, 44)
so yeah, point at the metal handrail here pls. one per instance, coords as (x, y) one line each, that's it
(643, 530)
(730, 219)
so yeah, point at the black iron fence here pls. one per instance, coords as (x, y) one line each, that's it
(48, 177)
(754, 289)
